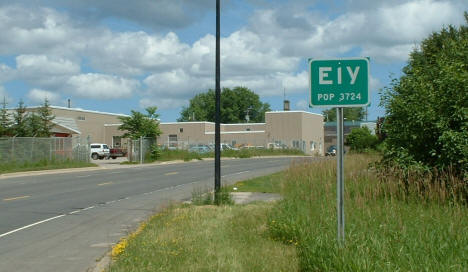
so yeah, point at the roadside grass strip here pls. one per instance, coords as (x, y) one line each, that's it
(11, 167)
(185, 155)
(205, 238)
(264, 184)
(383, 231)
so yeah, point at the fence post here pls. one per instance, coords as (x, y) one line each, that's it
(12, 148)
(32, 148)
(141, 149)
(50, 149)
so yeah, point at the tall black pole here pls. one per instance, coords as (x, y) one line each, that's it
(218, 108)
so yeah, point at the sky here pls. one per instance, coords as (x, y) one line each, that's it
(117, 55)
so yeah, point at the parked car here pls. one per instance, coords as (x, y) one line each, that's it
(228, 147)
(99, 151)
(331, 151)
(117, 152)
(223, 147)
(200, 149)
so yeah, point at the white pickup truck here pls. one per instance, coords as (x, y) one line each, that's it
(99, 151)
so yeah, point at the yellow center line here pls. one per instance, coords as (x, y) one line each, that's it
(16, 198)
(105, 183)
(171, 173)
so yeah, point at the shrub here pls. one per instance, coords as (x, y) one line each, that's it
(361, 139)
(427, 120)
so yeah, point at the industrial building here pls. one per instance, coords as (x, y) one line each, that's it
(282, 129)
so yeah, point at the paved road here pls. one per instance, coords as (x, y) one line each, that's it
(65, 222)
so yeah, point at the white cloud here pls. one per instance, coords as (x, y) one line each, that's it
(45, 71)
(99, 86)
(162, 103)
(374, 84)
(384, 32)
(302, 105)
(160, 14)
(265, 55)
(6, 73)
(38, 30)
(4, 94)
(134, 53)
(37, 96)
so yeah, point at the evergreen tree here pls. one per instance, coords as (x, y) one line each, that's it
(34, 125)
(5, 121)
(45, 120)
(20, 126)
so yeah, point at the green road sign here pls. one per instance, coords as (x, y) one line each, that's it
(339, 82)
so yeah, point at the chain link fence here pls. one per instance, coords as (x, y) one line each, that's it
(140, 150)
(32, 149)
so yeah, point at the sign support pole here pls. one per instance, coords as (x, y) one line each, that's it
(217, 109)
(340, 175)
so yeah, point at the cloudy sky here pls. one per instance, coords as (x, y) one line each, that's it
(117, 55)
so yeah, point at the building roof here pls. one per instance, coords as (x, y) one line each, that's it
(348, 123)
(295, 112)
(81, 110)
(68, 123)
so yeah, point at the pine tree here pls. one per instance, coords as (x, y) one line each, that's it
(20, 126)
(45, 118)
(34, 125)
(5, 121)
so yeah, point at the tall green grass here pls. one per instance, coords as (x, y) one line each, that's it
(384, 231)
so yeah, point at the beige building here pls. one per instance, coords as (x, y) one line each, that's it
(98, 127)
(282, 129)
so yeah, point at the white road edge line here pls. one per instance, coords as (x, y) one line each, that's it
(31, 225)
(85, 209)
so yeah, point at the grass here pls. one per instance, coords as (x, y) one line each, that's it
(205, 238)
(265, 184)
(12, 167)
(383, 231)
(185, 155)
(422, 231)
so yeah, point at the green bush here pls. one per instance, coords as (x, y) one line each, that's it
(361, 139)
(427, 109)
(155, 152)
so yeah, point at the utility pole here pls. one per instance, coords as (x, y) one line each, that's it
(217, 109)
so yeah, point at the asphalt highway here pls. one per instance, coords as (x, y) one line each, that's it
(67, 221)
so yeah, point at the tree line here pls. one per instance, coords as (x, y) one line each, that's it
(24, 123)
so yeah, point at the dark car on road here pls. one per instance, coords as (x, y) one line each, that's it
(331, 151)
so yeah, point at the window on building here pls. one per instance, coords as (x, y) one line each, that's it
(312, 145)
(81, 118)
(173, 138)
(181, 130)
(247, 129)
(116, 141)
(295, 144)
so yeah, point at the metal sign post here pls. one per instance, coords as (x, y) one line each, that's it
(217, 108)
(339, 83)
(340, 175)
